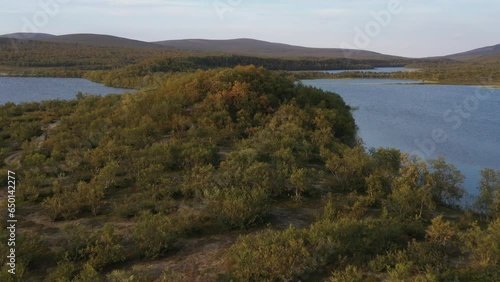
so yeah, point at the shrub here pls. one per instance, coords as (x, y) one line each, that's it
(76, 238)
(88, 274)
(104, 249)
(483, 245)
(358, 240)
(32, 251)
(349, 274)
(98, 249)
(154, 234)
(64, 271)
(270, 256)
(135, 275)
(442, 233)
(237, 207)
(153, 201)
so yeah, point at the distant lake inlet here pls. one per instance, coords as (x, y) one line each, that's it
(34, 89)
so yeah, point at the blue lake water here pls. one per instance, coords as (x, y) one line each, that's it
(461, 123)
(32, 89)
(385, 69)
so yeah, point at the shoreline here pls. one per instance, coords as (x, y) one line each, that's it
(422, 82)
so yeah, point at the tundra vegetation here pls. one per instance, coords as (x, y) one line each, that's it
(109, 185)
(219, 172)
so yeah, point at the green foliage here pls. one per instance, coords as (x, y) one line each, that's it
(359, 240)
(489, 193)
(69, 203)
(447, 187)
(270, 256)
(88, 274)
(411, 197)
(104, 248)
(154, 200)
(196, 154)
(349, 169)
(145, 72)
(154, 234)
(237, 207)
(96, 250)
(442, 233)
(409, 264)
(483, 245)
(30, 255)
(350, 274)
(33, 251)
(76, 238)
(134, 275)
(387, 159)
(63, 272)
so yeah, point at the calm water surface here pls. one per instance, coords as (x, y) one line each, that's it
(461, 123)
(390, 69)
(32, 89)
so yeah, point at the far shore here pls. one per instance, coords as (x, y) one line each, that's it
(430, 82)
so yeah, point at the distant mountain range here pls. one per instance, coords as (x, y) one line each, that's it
(254, 47)
(481, 54)
(243, 46)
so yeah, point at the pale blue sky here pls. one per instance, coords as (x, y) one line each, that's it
(421, 28)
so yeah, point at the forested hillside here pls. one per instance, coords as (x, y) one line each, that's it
(130, 65)
(23, 57)
(235, 174)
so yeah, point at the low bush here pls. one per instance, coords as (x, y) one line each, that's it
(154, 234)
(270, 256)
(237, 207)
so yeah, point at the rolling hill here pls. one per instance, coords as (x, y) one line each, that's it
(486, 54)
(86, 39)
(102, 40)
(28, 36)
(249, 47)
(254, 47)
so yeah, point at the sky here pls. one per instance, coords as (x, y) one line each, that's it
(411, 28)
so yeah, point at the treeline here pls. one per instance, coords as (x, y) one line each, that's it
(106, 183)
(458, 73)
(131, 65)
(142, 74)
(485, 74)
(288, 64)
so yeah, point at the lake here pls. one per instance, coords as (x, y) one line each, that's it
(33, 89)
(461, 123)
(384, 69)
